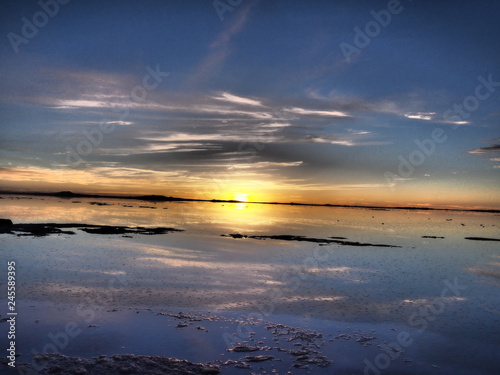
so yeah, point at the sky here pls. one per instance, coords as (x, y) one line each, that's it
(384, 103)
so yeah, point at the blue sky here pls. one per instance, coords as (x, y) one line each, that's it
(254, 99)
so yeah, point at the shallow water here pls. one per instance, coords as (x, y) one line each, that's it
(442, 291)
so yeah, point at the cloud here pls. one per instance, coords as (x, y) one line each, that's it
(140, 173)
(360, 132)
(76, 122)
(150, 105)
(194, 137)
(267, 164)
(488, 150)
(346, 139)
(343, 142)
(411, 105)
(123, 123)
(358, 186)
(276, 125)
(220, 47)
(458, 122)
(347, 102)
(230, 111)
(225, 96)
(421, 115)
(431, 116)
(48, 82)
(183, 137)
(303, 111)
(485, 150)
(173, 147)
(20, 173)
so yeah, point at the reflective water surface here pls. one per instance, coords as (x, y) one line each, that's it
(442, 292)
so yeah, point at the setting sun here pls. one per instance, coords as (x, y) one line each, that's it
(241, 197)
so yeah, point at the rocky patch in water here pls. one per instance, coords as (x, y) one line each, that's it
(45, 229)
(121, 364)
(323, 241)
(482, 239)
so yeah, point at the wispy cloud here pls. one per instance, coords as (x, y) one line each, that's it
(15, 173)
(358, 186)
(183, 137)
(231, 111)
(343, 142)
(277, 125)
(267, 164)
(220, 47)
(353, 139)
(312, 112)
(485, 150)
(172, 147)
(410, 105)
(87, 122)
(421, 115)
(225, 96)
(433, 116)
(488, 151)
(353, 103)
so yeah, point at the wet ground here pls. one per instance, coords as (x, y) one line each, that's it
(290, 289)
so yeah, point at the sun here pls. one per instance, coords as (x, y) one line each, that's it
(241, 197)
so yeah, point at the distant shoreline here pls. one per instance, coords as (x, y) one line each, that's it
(162, 198)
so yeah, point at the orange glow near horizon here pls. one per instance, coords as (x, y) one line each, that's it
(111, 181)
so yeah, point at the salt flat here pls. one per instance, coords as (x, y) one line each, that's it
(432, 298)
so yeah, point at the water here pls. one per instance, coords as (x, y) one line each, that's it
(442, 292)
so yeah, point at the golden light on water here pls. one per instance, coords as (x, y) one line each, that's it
(242, 198)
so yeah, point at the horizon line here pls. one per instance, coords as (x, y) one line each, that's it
(162, 198)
